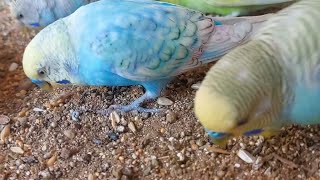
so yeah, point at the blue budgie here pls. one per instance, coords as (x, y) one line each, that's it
(126, 42)
(271, 81)
(40, 13)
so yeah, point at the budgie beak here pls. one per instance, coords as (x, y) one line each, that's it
(43, 85)
(220, 142)
(220, 139)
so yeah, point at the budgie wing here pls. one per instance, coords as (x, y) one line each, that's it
(232, 3)
(153, 44)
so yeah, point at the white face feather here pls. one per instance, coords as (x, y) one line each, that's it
(51, 59)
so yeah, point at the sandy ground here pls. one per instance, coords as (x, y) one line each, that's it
(58, 135)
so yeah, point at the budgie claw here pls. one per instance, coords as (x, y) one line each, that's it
(136, 105)
(220, 142)
(127, 108)
(270, 133)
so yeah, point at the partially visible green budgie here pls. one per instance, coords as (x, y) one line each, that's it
(270, 82)
(40, 13)
(127, 42)
(230, 7)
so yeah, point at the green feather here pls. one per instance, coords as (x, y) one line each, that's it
(229, 7)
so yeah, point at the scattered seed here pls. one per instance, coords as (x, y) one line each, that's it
(52, 160)
(217, 150)
(44, 148)
(115, 115)
(59, 100)
(162, 130)
(181, 156)
(53, 124)
(91, 177)
(171, 117)
(258, 163)
(124, 122)
(13, 67)
(69, 134)
(221, 173)
(194, 146)
(121, 158)
(120, 129)
(267, 171)
(164, 101)
(19, 143)
(132, 127)
(246, 156)
(17, 150)
(4, 119)
(22, 113)
(196, 86)
(5, 133)
(115, 118)
(38, 110)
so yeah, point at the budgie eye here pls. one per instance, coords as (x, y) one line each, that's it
(242, 121)
(20, 16)
(41, 72)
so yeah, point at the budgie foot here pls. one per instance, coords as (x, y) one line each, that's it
(127, 108)
(222, 142)
(136, 105)
(268, 133)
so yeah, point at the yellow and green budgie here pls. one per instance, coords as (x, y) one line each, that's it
(271, 81)
(230, 7)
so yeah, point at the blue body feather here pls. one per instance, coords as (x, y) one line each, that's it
(132, 43)
(305, 108)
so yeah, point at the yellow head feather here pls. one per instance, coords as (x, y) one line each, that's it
(215, 111)
(49, 49)
(32, 57)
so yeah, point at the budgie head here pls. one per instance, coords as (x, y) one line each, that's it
(241, 95)
(222, 117)
(49, 59)
(32, 14)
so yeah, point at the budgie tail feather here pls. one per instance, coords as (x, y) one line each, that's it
(229, 33)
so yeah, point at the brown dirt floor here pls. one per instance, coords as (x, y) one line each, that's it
(46, 140)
